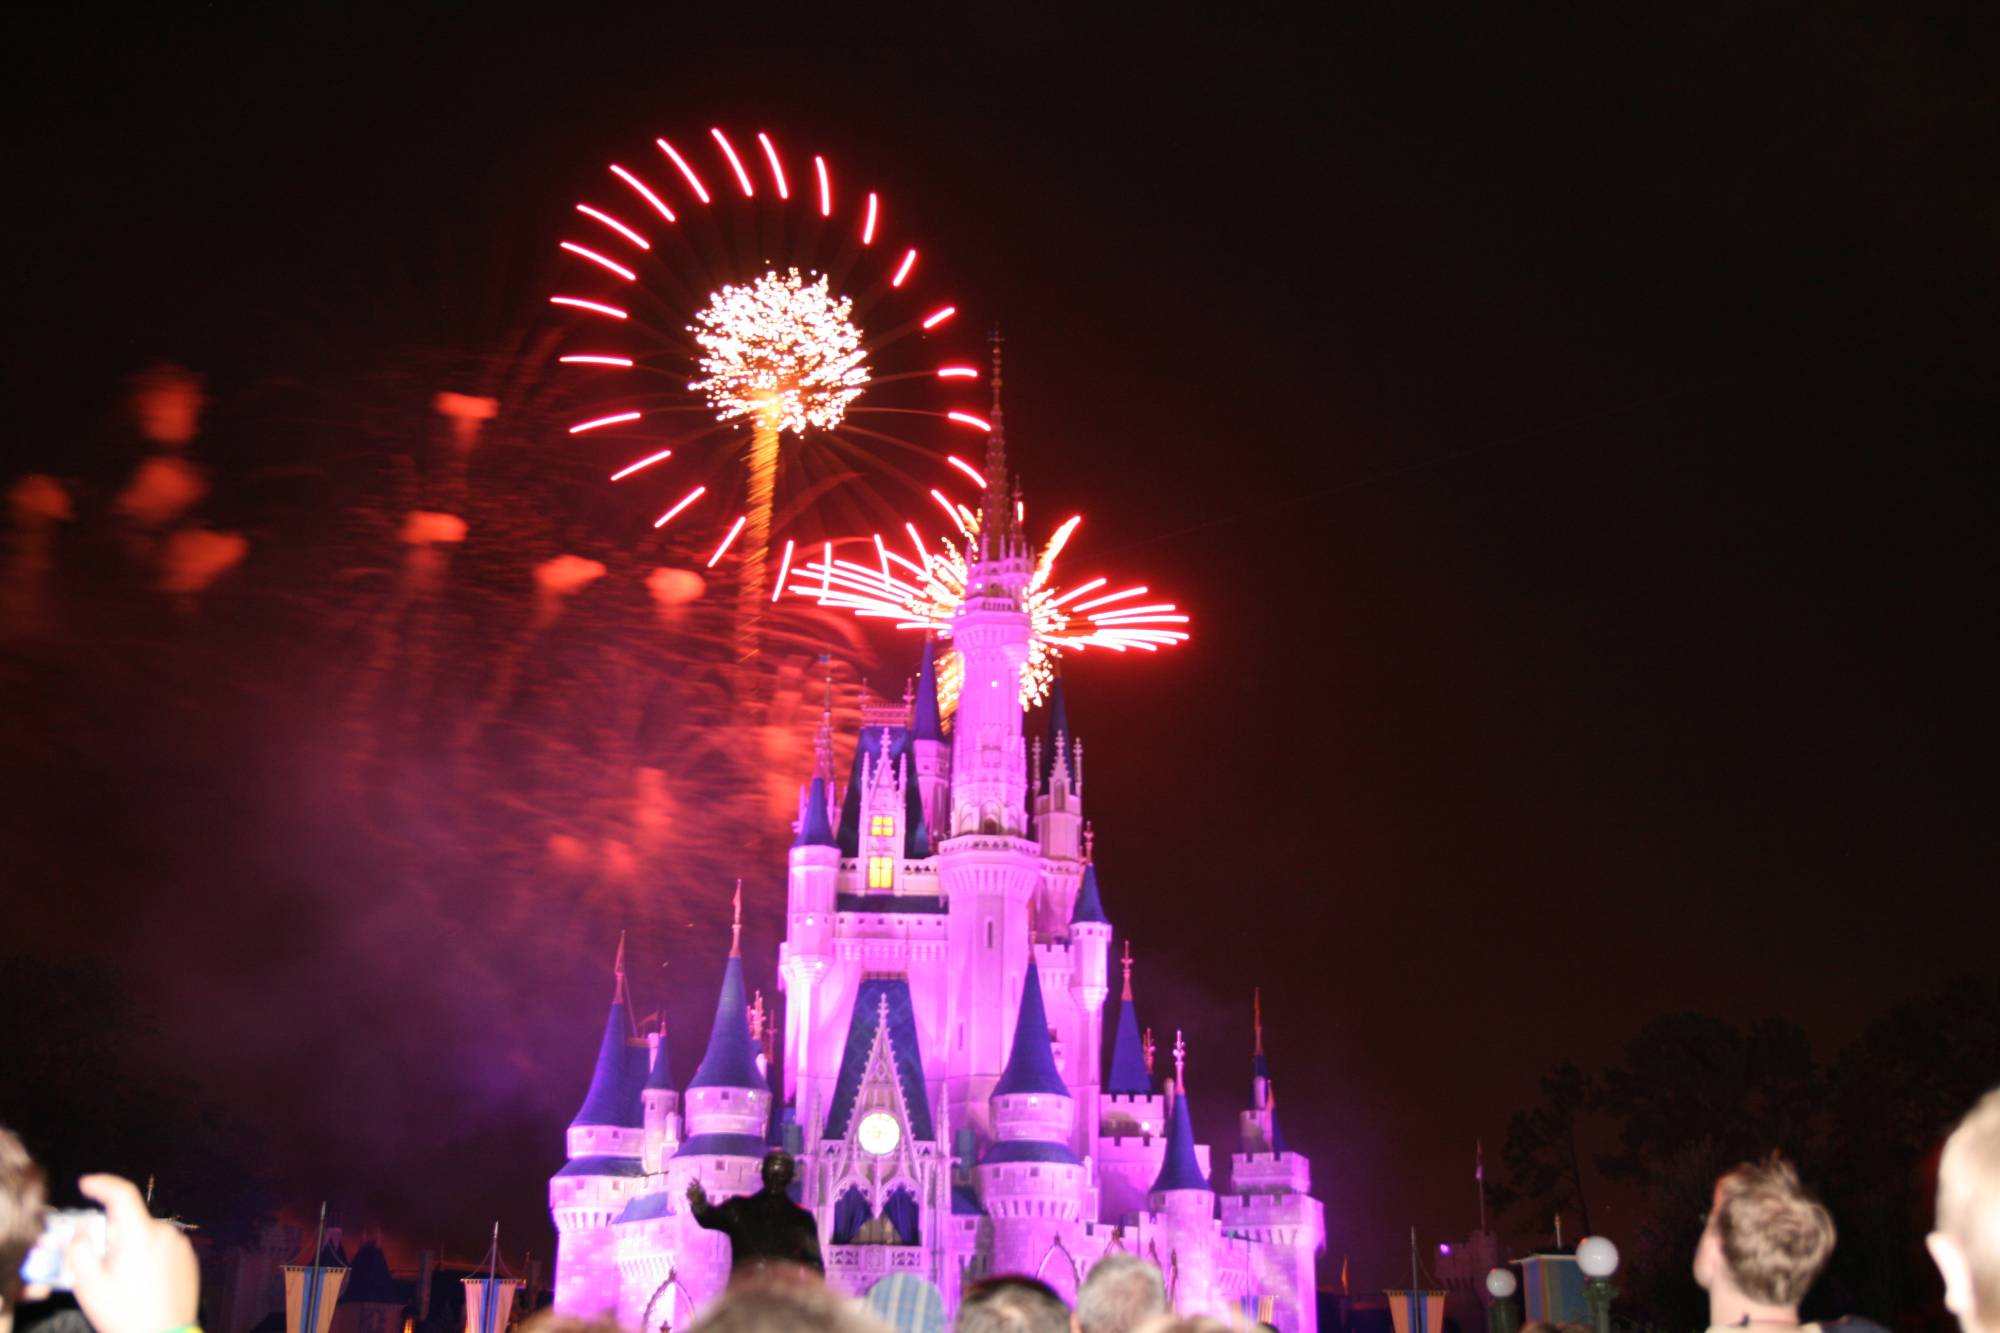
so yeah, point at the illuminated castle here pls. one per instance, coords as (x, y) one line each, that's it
(942, 1077)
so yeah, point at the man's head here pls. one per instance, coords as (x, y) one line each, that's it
(1966, 1244)
(784, 1305)
(1011, 1305)
(1766, 1238)
(777, 1170)
(23, 1198)
(1121, 1293)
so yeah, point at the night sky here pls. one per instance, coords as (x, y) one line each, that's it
(1572, 433)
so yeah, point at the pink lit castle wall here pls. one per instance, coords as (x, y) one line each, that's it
(943, 1078)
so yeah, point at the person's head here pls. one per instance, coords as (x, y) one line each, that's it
(784, 1305)
(23, 1199)
(1122, 1292)
(1185, 1323)
(777, 1170)
(1011, 1305)
(1766, 1240)
(1966, 1244)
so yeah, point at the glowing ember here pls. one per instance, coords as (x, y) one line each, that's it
(782, 349)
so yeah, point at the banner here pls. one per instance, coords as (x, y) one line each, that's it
(310, 1295)
(489, 1303)
(1417, 1311)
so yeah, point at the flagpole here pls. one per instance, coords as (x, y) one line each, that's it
(309, 1323)
(1479, 1174)
(486, 1316)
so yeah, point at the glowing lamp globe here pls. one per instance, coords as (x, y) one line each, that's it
(1597, 1257)
(879, 1133)
(1501, 1283)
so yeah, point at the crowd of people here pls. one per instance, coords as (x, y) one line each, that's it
(1762, 1245)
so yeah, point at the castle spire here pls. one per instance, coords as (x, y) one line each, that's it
(925, 722)
(731, 1058)
(1180, 1169)
(1089, 905)
(1031, 1065)
(736, 923)
(996, 506)
(823, 738)
(613, 1098)
(1131, 1062)
(1257, 1019)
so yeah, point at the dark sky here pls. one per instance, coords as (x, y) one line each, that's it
(1572, 433)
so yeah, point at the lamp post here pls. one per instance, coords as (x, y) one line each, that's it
(1598, 1258)
(1500, 1314)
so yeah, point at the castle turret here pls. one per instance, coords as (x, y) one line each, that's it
(728, 1102)
(1090, 947)
(1183, 1203)
(606, 1143)
(928, 748)
(811, 892)
(659, 1105)
(1268, 1201)
(1030, 1179)
(1132, 1116)
(1059, 782)
(991, 631)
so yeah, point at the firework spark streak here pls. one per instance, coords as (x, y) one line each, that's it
(925, 595)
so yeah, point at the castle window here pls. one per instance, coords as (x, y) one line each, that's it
(881, 872)
(989, 934)
(883, 826)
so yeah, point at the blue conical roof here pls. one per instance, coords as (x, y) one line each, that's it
(1277, 1135)
(1089, 907)
(613, 1098)
(1180, 1169)
(815, 829)
(1057, 736)
(925, 723)
(660, 1078)
(916, 833)
(1128, 1057)
(731, 1058)
(1031, 1065)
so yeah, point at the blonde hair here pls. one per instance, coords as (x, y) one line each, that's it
(1775, 1236)
(23, 1197)
(1968, 1198)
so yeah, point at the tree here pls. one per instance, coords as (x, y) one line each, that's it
(1544, 1164)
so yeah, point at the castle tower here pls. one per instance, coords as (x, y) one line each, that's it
(659, 1106)
(728, 1104)
(1268, 1200)
(1183, 1204)
(811, 888)
(1032, 1183)
(1132, 1116)
(1090, 947)
(928, 748)
(606, 1142)
(990, 631)
(1058, 814)
(988, 868)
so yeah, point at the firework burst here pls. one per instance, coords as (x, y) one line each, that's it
(924, 593)
(753, 349)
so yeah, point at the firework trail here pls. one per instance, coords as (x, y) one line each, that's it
(707, 326)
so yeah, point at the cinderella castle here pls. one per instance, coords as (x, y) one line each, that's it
(942, 1077)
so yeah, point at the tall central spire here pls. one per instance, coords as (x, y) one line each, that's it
(996, 514)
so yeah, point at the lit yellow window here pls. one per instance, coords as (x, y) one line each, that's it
(883, 826)
(879, 868)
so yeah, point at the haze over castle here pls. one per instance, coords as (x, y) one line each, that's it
(942, 1077)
